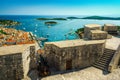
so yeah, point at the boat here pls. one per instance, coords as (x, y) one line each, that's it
(42, 39)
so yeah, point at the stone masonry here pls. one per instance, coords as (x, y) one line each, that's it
(93, 32)
(110, 27)
(89, 27)
(115, 60)
(98, 35)
(73, 54)
(16, 61)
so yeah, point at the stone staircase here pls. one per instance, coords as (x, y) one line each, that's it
(113, 32)
(104, 60)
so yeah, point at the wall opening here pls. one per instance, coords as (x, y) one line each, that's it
(119, 63)
(69, 64)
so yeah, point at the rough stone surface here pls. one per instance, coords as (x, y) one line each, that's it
(90, 27)
(90, 73)
(97, 35)
(16, 61)
(11, 67)
(112, 43)
(115, 60)
(77, 53)
(110, 27)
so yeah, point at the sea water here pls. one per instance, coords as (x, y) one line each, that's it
(63, 30)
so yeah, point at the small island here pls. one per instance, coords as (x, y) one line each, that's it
(101, 18)
(50, 23)
(51, 19)
(9, 23)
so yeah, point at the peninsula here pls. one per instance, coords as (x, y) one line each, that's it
(8, 22)
(101, 18)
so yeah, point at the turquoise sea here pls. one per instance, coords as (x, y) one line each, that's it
(61, 31)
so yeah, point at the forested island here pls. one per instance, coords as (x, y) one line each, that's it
(101, 18)
(51, 19)
(89, 17)
(9, 23)
(73, 18)
(50, 23)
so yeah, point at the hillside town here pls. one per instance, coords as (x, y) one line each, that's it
(10, 36)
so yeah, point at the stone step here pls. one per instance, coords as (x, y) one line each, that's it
(108, 53)
(103, 63)
(104, 60)
(105, 56)
(107, 50)
(99, 67)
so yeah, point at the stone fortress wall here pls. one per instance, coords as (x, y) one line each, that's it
(17, 61)
(73, 54)
(11, 67)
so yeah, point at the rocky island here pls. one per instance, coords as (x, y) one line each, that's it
(9, 23)
(50, 23)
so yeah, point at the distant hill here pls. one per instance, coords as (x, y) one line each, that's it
(51, 19)
(73, 18)
(102, 18)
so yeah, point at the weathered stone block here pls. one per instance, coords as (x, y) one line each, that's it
(110, 27)
(73, 54)
(15, 61)
(97, 35)
(89, 27)
(115, 60)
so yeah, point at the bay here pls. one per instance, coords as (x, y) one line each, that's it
(64, 29)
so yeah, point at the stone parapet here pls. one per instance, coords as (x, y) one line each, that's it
(16, 61)
(73, 54)
(97, 35)
(110, 27)
(115, 60)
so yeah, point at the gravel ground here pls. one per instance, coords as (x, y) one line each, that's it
(113, 43)
(90, 73)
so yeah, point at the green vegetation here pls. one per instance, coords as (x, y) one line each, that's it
(89, 17)
(101, 18)
(51, 19)
(50, 23)
(118, 28)
(9, 23)
(80, 30)
(73, 18)
(2, 32)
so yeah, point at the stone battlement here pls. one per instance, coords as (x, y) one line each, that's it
(73, 43)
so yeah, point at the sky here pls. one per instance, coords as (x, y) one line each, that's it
(59, 7)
